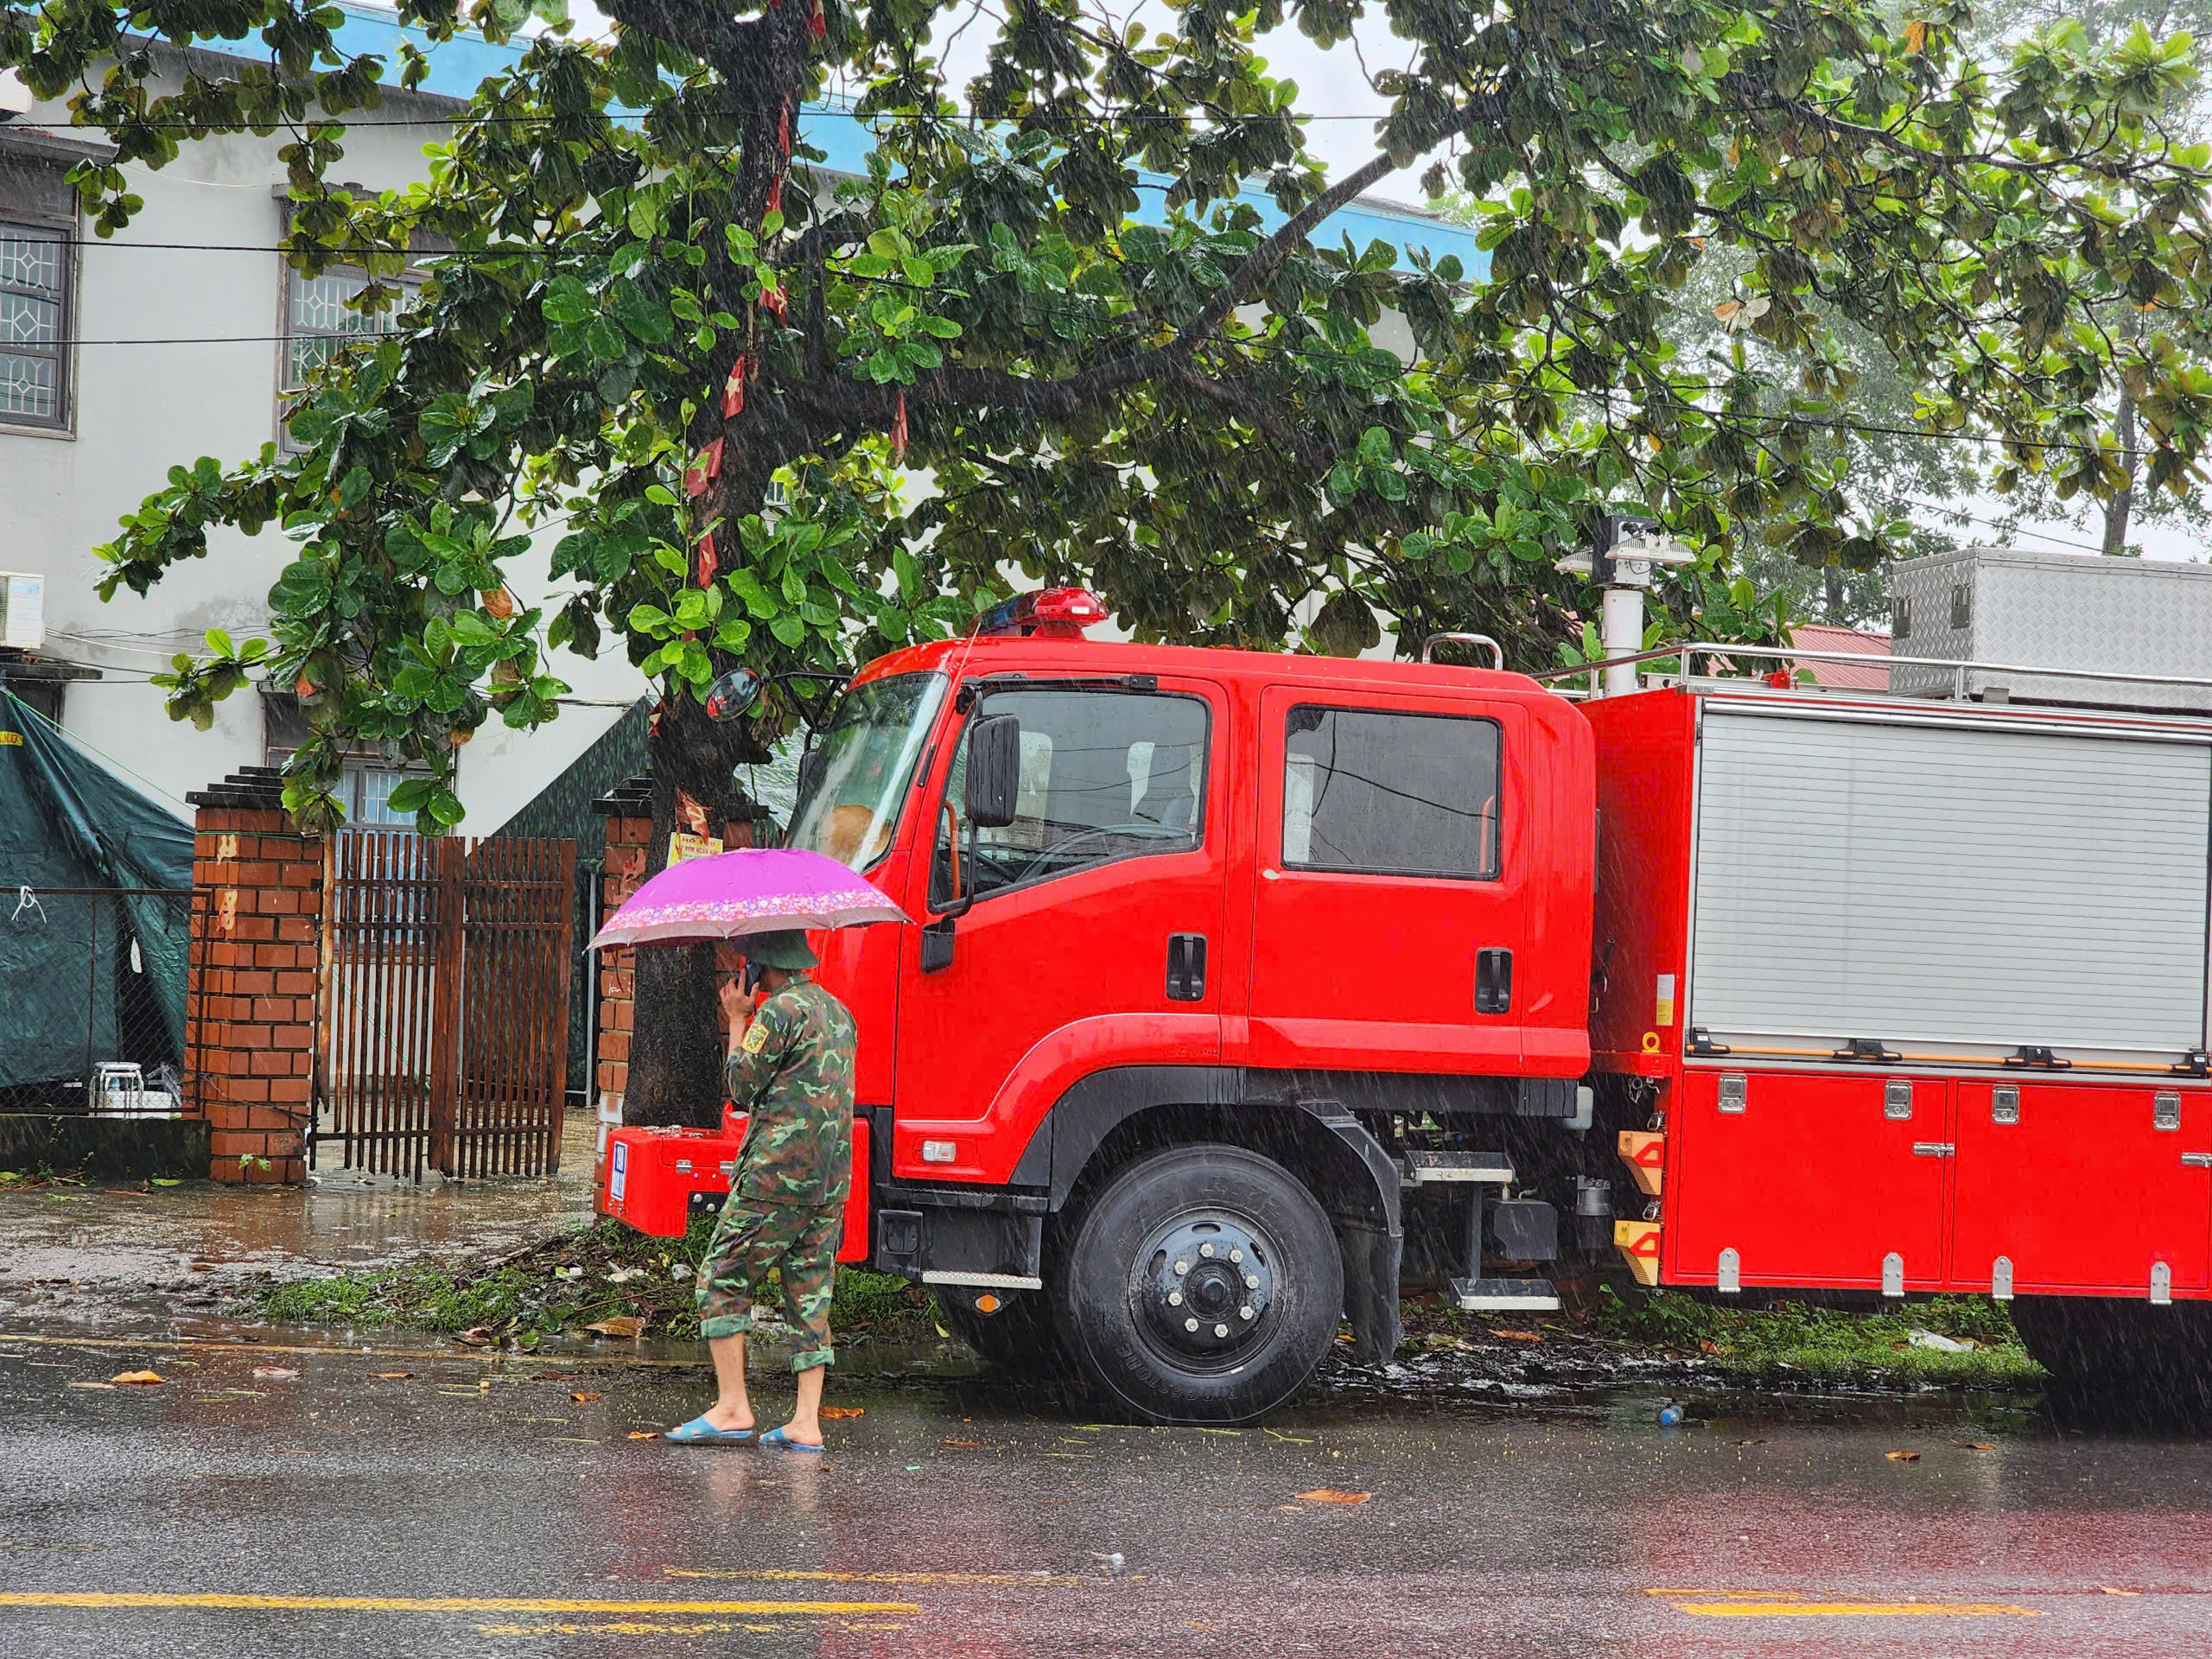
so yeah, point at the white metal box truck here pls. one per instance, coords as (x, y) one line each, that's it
(2002, 606)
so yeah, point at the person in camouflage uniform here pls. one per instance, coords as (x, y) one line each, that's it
(791, 1068)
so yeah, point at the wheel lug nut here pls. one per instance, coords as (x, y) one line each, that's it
(1206, 1249)
(1237, 1255)
(1182, 1266)
(1245, 1311)
(1189, 1325)
(1174, 1298)
(1251, 1281)
(1221, 1330)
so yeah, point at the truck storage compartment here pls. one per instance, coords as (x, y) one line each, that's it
(1948, 889)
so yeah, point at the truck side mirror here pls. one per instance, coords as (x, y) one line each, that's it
(994, 771)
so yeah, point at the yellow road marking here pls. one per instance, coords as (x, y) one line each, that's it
(1782, 1608)
(102, 1599)
(792, 1575)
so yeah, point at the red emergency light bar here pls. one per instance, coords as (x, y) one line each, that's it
(1048, 614)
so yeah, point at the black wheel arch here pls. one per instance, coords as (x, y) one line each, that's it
(1126, 1110)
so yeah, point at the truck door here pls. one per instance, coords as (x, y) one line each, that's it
(1389, 908)
(1781, 1178)
(1093, 930)
(2082, 1187)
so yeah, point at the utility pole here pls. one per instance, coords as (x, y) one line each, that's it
(1629, 547)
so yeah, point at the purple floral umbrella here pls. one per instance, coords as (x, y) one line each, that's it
(753, 890)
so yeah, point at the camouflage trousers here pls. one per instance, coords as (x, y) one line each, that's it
(800, 1243)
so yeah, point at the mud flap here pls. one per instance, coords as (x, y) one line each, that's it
(1371, 1255)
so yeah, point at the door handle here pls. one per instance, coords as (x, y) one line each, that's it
(1934, 1149)
(1493, 980)
(2197, 1159)
(1186, 966)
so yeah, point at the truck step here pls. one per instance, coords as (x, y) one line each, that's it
(1504, 1295)
(1490, 1167)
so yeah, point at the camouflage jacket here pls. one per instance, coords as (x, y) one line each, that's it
(793, 1073)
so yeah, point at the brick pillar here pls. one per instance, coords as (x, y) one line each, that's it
(250, 1002)
(629, 814)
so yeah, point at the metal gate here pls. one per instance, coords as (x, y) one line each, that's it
(444, 1003)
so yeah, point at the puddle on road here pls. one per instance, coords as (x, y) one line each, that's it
(93, 1252)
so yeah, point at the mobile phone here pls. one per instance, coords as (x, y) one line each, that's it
(749, 980)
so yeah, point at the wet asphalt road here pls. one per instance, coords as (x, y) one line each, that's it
(477, 1507)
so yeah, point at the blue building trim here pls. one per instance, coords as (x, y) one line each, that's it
(458, 65)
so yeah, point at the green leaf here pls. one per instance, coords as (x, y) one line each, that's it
(566, 300)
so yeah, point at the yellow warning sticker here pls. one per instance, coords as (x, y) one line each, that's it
(1666, 1000)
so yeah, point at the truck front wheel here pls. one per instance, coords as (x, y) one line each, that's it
(1201, 1285)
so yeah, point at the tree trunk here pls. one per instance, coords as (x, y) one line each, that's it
(1832, 593)
(675, 1049)
(2122, 504)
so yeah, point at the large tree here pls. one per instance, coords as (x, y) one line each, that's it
(640, 276)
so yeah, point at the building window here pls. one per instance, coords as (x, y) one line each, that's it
(321, 321)
(1901, 611)
(365, 791)
(1401, 794)
(34, 325)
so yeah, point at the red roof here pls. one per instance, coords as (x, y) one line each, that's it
(1819, 636)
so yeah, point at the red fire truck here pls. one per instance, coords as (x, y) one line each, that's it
(1246, 984)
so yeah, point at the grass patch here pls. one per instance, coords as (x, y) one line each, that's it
(1826, 1343)
(574, 1279)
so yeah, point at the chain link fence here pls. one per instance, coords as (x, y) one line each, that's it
(92, 999)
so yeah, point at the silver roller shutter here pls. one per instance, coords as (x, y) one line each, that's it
(1927, 883)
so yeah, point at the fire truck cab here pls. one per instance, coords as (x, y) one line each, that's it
(1211, 944)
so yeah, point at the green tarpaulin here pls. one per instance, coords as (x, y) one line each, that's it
(84, 977)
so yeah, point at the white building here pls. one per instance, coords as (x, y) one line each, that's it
(121, 358)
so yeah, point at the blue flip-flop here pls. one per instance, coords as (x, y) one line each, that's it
(783, 1442)
(700, 1431)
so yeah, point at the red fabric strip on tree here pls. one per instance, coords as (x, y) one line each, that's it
(733, 392)
(703, 470)
(898, 432)
(705, 565)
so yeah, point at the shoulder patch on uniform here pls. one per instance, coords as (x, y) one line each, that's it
(756, 1038)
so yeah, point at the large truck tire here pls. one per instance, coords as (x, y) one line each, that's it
(1200, 1284)
(2120, 1361)
(1020, 1338)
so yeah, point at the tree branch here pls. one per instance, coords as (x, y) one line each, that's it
(731, 45)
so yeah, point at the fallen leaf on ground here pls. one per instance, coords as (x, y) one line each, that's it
(92, 1385)
(1331, 1495)
(969, 1445)
(395, 1376)
(645, 1434)
(844, 1411)
(137, 1376)
(1708, 1345)
(275, 1373)
(1977, 1445)
(476, 1336)
(1902, 1457)
(2109, 1591)
(622, 1324)
(582, 1395)
(1518, 1335)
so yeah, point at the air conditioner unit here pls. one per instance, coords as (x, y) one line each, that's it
(23, 610)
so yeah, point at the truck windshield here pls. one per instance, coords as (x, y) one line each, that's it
(853, 786)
